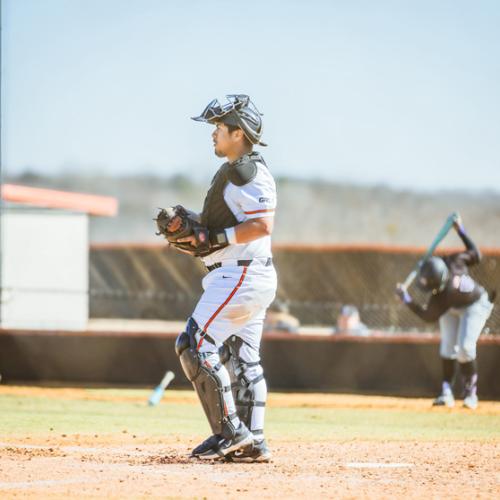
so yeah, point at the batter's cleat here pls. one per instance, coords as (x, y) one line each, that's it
(471, 401)
(256, 452)
(445, 399)
(210, 443)
(242, 437)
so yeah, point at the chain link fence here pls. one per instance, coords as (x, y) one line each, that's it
(154, 282)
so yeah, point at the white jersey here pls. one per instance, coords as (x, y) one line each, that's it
(253, 200)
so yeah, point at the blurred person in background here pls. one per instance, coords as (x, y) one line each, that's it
(278, 318)
(349, 321)
(461, 306)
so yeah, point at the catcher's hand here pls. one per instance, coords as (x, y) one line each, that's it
(176, 223)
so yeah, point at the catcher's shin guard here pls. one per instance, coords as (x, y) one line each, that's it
(248, 385)
(202, 370)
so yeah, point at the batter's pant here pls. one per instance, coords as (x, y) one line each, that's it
(460, 330)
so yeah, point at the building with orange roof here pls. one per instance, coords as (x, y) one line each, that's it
(45, 256)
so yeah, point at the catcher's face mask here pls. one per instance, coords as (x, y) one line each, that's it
(214, 112)
(239, 111)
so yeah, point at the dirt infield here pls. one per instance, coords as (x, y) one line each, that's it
(122, 464)
(298, 470)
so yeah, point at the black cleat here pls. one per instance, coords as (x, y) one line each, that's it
(213, 442)
(242, 438)
(255, 452)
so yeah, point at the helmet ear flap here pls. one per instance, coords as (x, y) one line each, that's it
(444, 278)
(249, 118)
(251, 127)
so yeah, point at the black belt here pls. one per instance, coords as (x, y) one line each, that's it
(243, 263)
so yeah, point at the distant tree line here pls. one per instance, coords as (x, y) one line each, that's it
(309, 211)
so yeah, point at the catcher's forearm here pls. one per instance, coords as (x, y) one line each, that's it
(253, 229)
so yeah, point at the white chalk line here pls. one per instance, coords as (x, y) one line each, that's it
(378, 465)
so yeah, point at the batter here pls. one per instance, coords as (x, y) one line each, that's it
(462, 307)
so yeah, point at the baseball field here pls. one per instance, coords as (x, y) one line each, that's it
(78, 442)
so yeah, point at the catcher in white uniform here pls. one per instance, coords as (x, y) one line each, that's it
(219, 350)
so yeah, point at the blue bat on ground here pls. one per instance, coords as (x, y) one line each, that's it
(159, 390)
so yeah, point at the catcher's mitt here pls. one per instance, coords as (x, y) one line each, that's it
(177, 222)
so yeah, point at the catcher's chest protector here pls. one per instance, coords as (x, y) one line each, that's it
(216, 214)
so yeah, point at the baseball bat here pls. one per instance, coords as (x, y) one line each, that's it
(159, 390)
(437, 240)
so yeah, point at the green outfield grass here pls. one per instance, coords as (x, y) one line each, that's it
(107, 412)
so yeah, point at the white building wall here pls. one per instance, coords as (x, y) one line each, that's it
(44, 272)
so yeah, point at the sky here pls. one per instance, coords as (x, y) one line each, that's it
(401, 93)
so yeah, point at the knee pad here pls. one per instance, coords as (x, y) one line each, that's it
(185, 347)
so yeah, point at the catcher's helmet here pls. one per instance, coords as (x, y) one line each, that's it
(238, 112)
(433, 275)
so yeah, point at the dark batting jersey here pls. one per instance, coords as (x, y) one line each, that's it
(460, 290)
